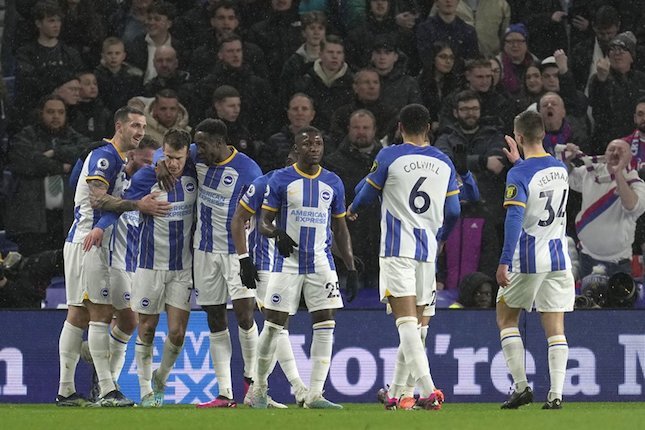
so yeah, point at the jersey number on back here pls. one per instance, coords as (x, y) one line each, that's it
(552, 215)
(419, 201)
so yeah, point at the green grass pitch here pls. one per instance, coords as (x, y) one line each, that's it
(461, 416)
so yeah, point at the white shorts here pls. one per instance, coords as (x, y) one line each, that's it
(217, 277)
(321, 291)
(96, 275)
(73, 261)
(152, 290)
(261, 287)
(551, 291)
(402, 277)
(120, 288)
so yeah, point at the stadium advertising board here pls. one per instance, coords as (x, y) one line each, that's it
(606, 358)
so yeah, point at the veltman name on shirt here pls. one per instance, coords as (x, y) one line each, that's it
(308, 217)
(552, 176)
(421, 165)
(211, 197)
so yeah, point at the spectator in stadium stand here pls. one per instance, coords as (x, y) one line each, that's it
(438, 79)
(613, 198)
(158, 23)
(92, 118)
(546, 23)
(586, 53)
(636, 140)
(352, 161)
(38, 60)
(118, 81)
(194, 26)
(129, 21)
(224, 22)
(483, 145)
(448, 27)
(515, 57)
(496, 109)
(328, 81)
(83, 29)
(557, 77)
(41, 157)
(165, 112)
(496, 68)
(169, 76)
(491, 19)
(532, 88)
(301, 112)
(226, 107)
(256, 92)
(367, 95)
(614, 90)
(559, 127)
(314, 30)
(397, 87)
(379, 23)
(278, 36)
(476, 290)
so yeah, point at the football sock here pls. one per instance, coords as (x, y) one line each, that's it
(284, 355)
(118, 344)
(267, 345)
(69, 351)
(558, 355)
(513, 349)
(168, 359)
(143, 357)
(221, 351)
(98, 339)
(321, 347)
(249, 345)
(409, 385)
(414, 353)
(400, 376)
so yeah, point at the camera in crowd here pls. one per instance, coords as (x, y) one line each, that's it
(601, 291)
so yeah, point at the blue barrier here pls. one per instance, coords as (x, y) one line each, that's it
(606, 360)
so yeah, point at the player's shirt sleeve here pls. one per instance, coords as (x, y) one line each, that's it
(338, 202)
(515, 192)
(469, 189)
(512, 231)
(158, 155)
(102, 167)
(254, 196)
(273, 194)
(192, 152)
(141, 183)
(453, 184)
(378, 173)
(76, 173)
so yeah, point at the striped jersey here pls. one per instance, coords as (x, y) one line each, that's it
(220, 188)
(304, 205)
(541, 186)
(124, 246)
(414, 182)
(164, 242)
(105, 164)
(260, 247)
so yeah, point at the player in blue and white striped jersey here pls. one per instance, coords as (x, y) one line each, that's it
(419, 191)
(163, 278)
(307, 202)
(534, 266)
(256, 261)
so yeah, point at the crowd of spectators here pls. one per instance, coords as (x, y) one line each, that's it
(269, 68)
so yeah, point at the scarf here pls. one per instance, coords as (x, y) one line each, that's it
(562, 136)
(510, 78)
(591, 162)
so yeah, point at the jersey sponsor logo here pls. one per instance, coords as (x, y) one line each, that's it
(145, 302)
(227, 180)
(325, 195)
(100, 173)
(190, 187)
(103, 163)
(251, 191)
(374, 166)
(105, 292)
(276, 298)
(511, 192)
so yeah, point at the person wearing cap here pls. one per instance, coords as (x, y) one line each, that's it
(397, 87)
(557, 77)
(447, 26)
(515, 57)
(614, 89)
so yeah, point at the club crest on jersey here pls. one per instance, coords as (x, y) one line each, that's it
(511, 192)
(126, 297)
(190, 187)
(103, 163)
(267, 191)
(374, 166)
(145, 302)
(105, 292)
(325, 195)
(276, 298)
(251, 190)
(228, 180)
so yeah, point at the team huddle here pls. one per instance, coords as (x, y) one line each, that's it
(152, 228)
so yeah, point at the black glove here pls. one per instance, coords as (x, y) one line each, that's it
(460, 159)
(351, 287)
(284, 243)
(248, 273)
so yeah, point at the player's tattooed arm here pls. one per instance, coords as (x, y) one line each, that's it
(100, 199)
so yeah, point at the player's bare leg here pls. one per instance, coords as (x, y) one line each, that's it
(513, 348)
(553, 323)
(69, 350)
